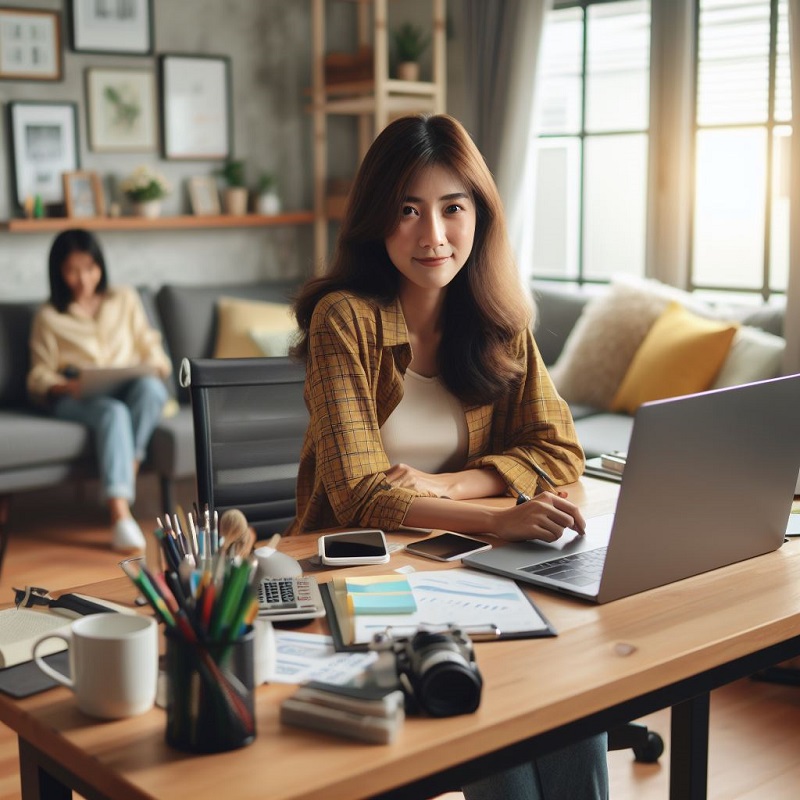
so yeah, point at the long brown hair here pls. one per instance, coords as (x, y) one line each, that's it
(485, 308)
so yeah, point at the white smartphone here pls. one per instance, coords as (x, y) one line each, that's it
(447, 547)
(353, 547)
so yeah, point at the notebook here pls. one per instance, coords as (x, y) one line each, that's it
(709, 481)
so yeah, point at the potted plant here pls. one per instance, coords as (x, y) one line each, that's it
(145, 188)
(410, 42)
(234, 198)
(268, 201)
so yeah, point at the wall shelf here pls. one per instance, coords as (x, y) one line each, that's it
(185, 221)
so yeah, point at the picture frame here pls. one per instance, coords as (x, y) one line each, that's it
(30, 45)
(121, 110)
(119, 27)
(44, 145)
(196, 119)
(83, 194)
(204, 196)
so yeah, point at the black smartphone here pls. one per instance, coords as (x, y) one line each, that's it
(447, 547)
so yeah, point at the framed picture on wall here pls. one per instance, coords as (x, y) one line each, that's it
(112, 26)
(30, 45)
(83, 194)
(121, 110)
(44, 145)
(203, 196)
(195, 107)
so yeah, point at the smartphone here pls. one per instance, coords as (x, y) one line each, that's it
(447, 547)
(353, 547)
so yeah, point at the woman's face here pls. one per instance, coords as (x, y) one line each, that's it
(82, 275)
(434, 237)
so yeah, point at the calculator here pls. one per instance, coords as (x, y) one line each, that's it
(287, 599)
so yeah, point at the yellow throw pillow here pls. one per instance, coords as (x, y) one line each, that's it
(236, 319)
(681, 354)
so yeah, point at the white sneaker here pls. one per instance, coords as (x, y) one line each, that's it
(127, 536)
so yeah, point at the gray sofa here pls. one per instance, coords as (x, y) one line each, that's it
(39, 451)
(558, 309)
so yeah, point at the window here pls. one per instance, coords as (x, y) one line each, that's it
(590, 210)
(600, 206)
(742, 144)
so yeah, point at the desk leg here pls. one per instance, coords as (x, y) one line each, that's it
(37, 783)
(688, 777)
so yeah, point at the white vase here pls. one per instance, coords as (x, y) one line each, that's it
(150, 209)
(268, 203)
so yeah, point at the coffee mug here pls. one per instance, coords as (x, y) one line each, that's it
(274, 564)
(113, 662)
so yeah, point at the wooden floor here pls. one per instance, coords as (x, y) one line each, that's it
(60, 538)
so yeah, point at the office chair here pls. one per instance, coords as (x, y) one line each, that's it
(249, 421)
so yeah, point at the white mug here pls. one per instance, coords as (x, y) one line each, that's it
(113, 661)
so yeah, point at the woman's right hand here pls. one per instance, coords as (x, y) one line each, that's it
(544, 517)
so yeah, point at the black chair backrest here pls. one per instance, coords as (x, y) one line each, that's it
(249, 422)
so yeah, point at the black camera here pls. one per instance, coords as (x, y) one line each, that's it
(436, 671)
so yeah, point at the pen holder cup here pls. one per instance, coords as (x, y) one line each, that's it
(210, 694)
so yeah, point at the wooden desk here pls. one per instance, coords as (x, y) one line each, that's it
(609, 664)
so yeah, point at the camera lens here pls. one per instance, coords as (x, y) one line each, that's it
(449, 688)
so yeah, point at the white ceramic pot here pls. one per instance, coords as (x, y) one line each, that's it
(150, 209)
(268, 203)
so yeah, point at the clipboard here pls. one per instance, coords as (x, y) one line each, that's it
(486, 607)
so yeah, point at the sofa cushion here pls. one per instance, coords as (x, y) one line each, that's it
(602, 344)
(31, 439)
(241, 322)
(15, 328)
(755, 355)
(681, 354)
(171, 449)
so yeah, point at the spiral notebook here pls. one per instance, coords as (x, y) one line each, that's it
(485, 607)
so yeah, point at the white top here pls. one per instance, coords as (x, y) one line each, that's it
(428, 429)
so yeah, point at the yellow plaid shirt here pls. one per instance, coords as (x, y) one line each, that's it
(358, 354)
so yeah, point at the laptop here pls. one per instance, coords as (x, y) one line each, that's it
(709, 481)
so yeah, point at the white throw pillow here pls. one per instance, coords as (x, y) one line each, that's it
(755, 355)
(599, 349)
(273, 343)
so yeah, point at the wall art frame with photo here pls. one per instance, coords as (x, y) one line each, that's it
(83, 195)
(44, 145)
(116, 26)
(204, 196)
(121, 110)
(30, 45)
(196, 118)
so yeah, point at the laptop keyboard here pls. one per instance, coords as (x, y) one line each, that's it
(579, 569)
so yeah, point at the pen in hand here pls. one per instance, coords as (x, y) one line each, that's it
(523, 498)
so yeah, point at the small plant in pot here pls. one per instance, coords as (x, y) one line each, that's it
(145, 188)
(234, 198)
(268, 200)
(410, 42)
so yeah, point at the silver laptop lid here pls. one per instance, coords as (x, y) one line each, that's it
(709, 481)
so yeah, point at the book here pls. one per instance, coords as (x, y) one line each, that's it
(614, 462)
(485, 607)
(595, 469)
(21, 627)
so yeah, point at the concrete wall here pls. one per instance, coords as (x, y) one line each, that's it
(268, 42)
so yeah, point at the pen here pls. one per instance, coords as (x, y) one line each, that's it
(552, 484)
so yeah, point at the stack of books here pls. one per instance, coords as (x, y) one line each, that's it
(369, 713)
(608, 465)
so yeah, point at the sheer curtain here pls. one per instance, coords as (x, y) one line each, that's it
(791, 361)
(503, 40)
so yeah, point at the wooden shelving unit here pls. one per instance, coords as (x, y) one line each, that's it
(50, 224)
(374, 102)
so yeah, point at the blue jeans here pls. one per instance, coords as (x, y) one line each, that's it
(578, 772)
(121, 425)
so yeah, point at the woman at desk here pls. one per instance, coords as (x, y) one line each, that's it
(424, 384)
(87, 324)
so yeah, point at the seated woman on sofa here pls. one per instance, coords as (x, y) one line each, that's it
(88, 324)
